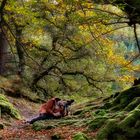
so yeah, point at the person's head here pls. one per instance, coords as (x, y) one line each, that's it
(69, 102)
(57, 99)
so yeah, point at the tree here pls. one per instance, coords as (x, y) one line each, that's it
(64, 40)
(3, 41)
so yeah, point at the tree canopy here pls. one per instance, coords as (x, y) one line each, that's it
(61, 46)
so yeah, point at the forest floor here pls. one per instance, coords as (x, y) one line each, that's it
(65, 128)
(112, 118)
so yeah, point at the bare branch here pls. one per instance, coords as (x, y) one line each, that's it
(136, 37)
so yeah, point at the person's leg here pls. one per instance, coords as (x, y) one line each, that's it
(40, 117)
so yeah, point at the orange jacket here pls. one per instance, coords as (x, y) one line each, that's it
(48, 107)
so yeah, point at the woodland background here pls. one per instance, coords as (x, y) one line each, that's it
(77, 49)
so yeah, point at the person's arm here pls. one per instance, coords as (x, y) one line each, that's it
(66, 110)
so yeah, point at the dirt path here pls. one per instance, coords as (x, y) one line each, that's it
(26, 108)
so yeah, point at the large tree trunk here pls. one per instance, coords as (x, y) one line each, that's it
(3, 52)
(20, 51)
(3, 41)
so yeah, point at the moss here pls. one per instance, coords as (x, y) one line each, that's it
(108, 130)
(131, 119)
(130, 125)
(117, 136)
(131, 132)
(137, 125)
(68, 122)
(119, 115)
(84, 110)
(107, 105)
(138, 107)
(100, 112)
(132, 104)
(39, 125)
(3, 98)
(7, 107)
(80, 136)
(122, 99)
(97, 123)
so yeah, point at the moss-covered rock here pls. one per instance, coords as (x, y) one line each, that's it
(96, 123)
(125, 97)
(130, 126)
(135, 102)
(120, 128)
(107, 130)
(7, 107)
(80, 136)
(131, 119)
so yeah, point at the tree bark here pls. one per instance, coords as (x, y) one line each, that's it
(20, 51)
(3, 52)
(3, 41)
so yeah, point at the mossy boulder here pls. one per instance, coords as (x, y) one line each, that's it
(80, 136)
(8, 108)
(110, 128)
(125, 97)
(132, 105)
(131, 119)
(129, 97)
(96, 123)
(128, 128)
(123, 112)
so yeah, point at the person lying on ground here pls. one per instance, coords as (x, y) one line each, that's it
(48, 111)
(55, 108)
